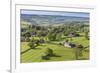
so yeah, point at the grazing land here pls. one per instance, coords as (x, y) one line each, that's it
(47, 38)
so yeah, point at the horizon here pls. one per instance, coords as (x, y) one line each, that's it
(56, 13)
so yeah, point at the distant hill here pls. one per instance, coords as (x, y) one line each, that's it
(51, 19)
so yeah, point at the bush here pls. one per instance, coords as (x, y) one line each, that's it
(31, 45)
(78, 51)
(77, 35)
(80, 47)
(27, 39)
(42, 40)
(49, 52)
(66, 40)
(60, 44)
(45, 57)
(37, 42)
(86, 50)
(32, 39)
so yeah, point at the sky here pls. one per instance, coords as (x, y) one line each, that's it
(59, 13)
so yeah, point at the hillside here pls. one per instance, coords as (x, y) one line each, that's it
(51, 19)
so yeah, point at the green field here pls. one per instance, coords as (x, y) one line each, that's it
(48, 36)
(61, 53)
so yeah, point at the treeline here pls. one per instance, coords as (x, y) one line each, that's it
(54, 32)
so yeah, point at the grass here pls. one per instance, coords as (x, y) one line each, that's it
(35, 55)
(24, 46)
(63, 53)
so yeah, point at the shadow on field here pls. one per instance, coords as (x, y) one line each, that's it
(47, 57)
(54, 55)
(29, 50)
(83, 59)
(25, 51)
(53, 43)
(37, 48)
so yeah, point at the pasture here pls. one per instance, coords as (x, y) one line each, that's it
(61, 53)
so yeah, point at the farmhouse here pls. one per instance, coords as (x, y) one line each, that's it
(70, 45)
(73, 35)
(33, 33)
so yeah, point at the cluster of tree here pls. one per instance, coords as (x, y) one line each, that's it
(87, 35)
(78, 51)
(47, 54)
(34, 43)
(54, 32)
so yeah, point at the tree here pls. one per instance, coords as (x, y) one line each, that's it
(59, 36)
(27, 34)
(27, 39)
(48, 51)
(47, 54)
(32, 39)
(66, 40)
(38, 27)
(37, 42)
(53, 36)
(49, 36)
(87, 35)
(78, 51)
(31, 45)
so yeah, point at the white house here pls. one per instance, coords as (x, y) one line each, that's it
(70, 45)
(67, 44)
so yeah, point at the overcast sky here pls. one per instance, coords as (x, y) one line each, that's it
(60, 13)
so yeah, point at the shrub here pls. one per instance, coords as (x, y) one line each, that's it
(78, 51)
(60, 44)
(37, 42)
(31, 45)
(47, 54)
(27, 39)
(45, 57)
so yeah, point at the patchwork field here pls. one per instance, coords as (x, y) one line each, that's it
(61, 53)
(54, 36)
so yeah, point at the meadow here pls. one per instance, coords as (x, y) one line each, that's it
(48, 38)
(61, 53)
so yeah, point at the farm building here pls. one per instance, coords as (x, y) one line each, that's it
(73, 35)
(68, 44)
(33, 33)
